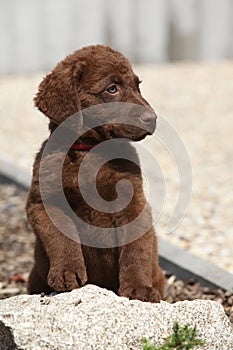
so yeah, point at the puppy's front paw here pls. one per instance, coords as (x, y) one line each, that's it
(66, 278)
(148, 294)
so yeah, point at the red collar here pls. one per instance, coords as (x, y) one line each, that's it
(75, 147)
(81, 147)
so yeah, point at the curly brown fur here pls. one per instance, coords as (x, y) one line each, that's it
(82, 80)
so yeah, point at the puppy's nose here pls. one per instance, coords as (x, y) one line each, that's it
(148, 116)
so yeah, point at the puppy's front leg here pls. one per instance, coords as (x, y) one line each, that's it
(140, 276)
(67, 269)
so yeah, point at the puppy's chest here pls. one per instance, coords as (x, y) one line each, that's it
(99, 175)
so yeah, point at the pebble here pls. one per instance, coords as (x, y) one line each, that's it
(9, 291)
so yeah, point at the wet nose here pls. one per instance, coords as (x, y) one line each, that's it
(148, 116)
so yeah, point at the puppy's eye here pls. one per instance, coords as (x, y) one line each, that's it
(112, 89)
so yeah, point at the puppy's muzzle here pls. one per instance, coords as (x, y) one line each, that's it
(149, 117)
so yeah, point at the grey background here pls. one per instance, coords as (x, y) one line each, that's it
(35, 34)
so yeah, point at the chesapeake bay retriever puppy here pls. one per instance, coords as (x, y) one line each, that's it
(92, 76)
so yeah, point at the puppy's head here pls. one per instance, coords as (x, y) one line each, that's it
(91, 76)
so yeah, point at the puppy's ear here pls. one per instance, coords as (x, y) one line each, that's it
(57, 96)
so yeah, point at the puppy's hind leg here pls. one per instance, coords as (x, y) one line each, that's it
(37, 282)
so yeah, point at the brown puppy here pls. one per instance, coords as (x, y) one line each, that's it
(92, 76)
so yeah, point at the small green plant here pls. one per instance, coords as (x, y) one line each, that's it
(182, 338)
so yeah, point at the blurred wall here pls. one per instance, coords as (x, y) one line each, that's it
(35, 34)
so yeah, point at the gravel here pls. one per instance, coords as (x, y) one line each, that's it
(16, 238)
(197, 100)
